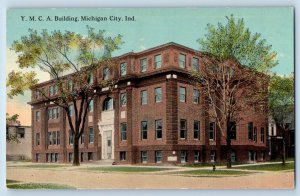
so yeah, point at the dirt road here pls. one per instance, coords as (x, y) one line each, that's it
(96, 180)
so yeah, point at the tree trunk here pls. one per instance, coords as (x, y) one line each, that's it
(76, 152)
(228, 151)
(283, 151)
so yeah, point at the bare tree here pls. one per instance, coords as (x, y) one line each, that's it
(229, 89)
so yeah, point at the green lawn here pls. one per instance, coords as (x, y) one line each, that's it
(38, 186)
(213, 173)
(269, 167)
(126, 169)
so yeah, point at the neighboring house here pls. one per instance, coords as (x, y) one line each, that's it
(276, 137)
(20, 147)
(154, 115)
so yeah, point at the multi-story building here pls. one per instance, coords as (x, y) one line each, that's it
(18, 148)
(155, 114)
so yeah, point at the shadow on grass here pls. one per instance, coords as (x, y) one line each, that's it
(38, 186)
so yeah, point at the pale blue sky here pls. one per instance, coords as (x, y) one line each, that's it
(158, 26)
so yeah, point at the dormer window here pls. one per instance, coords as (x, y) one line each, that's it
(182, 60)
(123, 69)
(157, 59)
(143, 63)
(90, 78)
(105, 73)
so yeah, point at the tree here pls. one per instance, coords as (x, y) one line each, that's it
(71, 60)
(9, 120)
(231, 74)
(281, 104)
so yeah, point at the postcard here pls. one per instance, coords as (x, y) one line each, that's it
(150, 98)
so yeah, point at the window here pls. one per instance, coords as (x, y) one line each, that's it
(91, 106)
(212, 129)
(183, 129)
(262, 134)
(157, 94)
(233, 156)
(196, 129)
(158, 129)
(70, 85)
(143, 63)
(252, 155)
(71, 137)
(105, 73)
(81, 157)
(71, 110)
(38, 116)
(182, 60)
(157, 60)
(123, 99)
(90, 156)
(51, 90)
(232, 130)
(70, 157)
(50, 114)
(56, 157)
(182, 94)
(250, 130)
(82, 138)
(196, 97)
(195, 65)
(108, 104)
(38, 94)
(196, 156)
(54, 137)
(123, 131)
(37, 157)
(21, 133)
(58, 137)
(158, 156)
(255, 134)
(91, 135)
(90, 78)
(48, 157)
(212, 156)
(37, 139)
(144, 97)
(183, 156)
(144, 128)
(272, 130)
(55, 90)
(122, 155)
(123, 68)
(52, 157)
(49, 138)
(144, 156)
(53, 113)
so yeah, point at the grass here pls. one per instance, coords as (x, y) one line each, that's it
(126, 169)
(11, 181)
(38, 186)
(269, 167)
(213, 173)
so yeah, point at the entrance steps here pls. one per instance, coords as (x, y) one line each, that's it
(103, 162)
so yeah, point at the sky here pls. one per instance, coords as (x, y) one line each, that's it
(153, 27)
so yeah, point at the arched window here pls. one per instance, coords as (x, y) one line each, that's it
(108, 104)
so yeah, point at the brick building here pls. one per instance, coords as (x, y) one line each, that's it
(20, 146)
(153, 115)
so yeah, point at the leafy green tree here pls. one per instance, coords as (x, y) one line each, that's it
(71, 60)
(281, 104)
(235, 59)
(9, 120)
